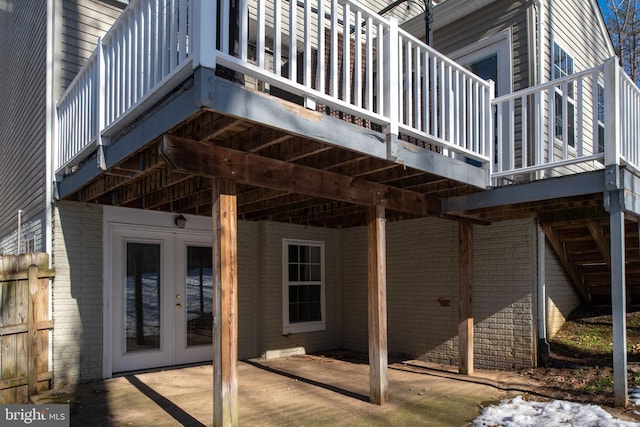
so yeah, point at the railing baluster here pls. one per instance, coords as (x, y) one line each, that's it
(277, 37)
(357, 81)
(260, 34)
(321, 48)
(511, 159)
(225, 23)
(417, 99)
(580, 120)
(293, 41)
(500, 140)
(408, 85)
(524, 114)
(551, 123)
(346, 52)
(243, 42)
(335, 72)
(184, 50)
(425, 93)
(381, 77)
(307, 44)
(565, 121)
(369, 66)
(435, 89)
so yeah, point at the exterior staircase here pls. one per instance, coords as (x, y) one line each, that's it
(583, 249)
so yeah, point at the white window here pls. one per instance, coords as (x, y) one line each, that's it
(303, 286)
(562, 66)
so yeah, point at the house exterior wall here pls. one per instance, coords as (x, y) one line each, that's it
(486, 22)
(270, 289)
(23, 113)
(422, 288)
(504, 309)
(23, 48)
(77, 293)
(78, 290)
(562, 20)
(562, 296)
(79, 23)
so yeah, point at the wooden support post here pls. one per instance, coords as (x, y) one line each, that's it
(465, 285)
(376, 241)
(225, 303)
(32, 349)
(618, 299)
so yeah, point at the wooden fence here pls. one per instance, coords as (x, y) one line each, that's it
(24, 326)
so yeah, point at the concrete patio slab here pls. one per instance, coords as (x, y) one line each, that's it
(293, 391)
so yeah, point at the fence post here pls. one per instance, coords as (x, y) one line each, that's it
(32, 350)
(205, 22)
(392, 85)
(611, 113)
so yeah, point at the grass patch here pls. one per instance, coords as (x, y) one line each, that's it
(587, 337)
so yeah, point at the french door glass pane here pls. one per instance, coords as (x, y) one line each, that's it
(142, 295)
(199, 296)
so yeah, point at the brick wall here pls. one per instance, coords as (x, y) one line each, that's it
(504, 294)
(77, 293)
(422, 289)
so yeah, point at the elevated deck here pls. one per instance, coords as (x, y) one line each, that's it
(321, 108)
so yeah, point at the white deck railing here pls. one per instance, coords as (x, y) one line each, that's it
(581, 122)
(377, 73)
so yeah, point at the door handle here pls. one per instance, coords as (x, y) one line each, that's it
(178, 305)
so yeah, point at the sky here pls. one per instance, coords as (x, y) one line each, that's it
(517, 412)
(603, 6)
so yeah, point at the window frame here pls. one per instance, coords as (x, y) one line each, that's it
(556, 73)
(289, 327)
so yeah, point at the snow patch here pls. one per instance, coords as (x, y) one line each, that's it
(518, 412)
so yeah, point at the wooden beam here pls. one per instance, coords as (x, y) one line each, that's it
(225, 305)
(207, 159)
(558, 248)
(376, 243)
(465, 286)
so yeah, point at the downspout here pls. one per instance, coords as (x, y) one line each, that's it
(538, 78)
(50, 150)
(543, 344)
(50, 130)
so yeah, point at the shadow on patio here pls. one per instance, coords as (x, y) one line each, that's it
(299, 390)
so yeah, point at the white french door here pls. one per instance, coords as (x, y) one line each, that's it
(161, 298)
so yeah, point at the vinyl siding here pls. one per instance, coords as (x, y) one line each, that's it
(23, 32)
(486, 22)
(22, 113)
(81, 23)
(563, 20)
